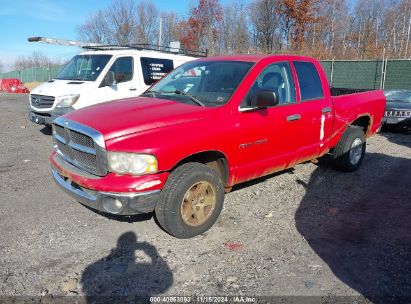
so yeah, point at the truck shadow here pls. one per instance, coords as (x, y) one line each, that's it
(46, 130)
(359, 224)
(123, 218)
(132, 272)
(261, 179)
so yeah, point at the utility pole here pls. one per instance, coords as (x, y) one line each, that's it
(160, 32)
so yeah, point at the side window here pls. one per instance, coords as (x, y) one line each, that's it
(122, 69)
(309, 80)
(277, 78)
(155, 68)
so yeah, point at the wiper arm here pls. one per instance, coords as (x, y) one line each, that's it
(192, 98)
(153, 93)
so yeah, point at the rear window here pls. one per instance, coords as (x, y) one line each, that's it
(309, 80)
(155, 68)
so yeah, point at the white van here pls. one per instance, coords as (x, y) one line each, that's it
(101, 75)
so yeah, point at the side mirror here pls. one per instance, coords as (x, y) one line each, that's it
(108, 80)
(264, 99)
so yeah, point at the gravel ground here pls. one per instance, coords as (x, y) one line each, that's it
(308, 231)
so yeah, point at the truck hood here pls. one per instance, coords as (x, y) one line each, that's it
(58, 87)
(127, 116)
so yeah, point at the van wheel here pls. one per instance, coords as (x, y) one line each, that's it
(191, 200)
(350, 150)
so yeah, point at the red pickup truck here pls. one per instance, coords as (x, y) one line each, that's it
(208, 125)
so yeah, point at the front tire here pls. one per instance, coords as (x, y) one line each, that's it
(350, 150)
(191, 200)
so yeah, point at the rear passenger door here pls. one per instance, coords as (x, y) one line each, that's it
(316, 110)
(125, 83)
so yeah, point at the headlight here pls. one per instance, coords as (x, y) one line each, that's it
(131, 163)
(67, 100)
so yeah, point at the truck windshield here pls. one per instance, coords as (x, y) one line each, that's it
(83, 67)
(205, 83)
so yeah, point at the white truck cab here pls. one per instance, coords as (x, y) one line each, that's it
(100, 75)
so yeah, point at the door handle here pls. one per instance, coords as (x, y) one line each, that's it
(293, 117)
(326, 110)
(133, 89)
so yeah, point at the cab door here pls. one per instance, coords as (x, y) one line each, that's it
(316, 110)
(270, 137)
(120, 81)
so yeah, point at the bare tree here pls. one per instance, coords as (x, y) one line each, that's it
(121, 19)
(264, 16)
(96, 29)
(324, 29)
(38, 59)
(123, 22)
(170, 28)
(20, 63)
(325, 37)
(234, 29)
(367, 30)
(148, 20)
(35, 60)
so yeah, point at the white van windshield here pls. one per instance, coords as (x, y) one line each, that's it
(83, 67)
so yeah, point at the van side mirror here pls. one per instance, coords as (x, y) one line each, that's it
(108, 79)
(264, 99)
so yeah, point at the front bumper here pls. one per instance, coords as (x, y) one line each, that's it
(400, 121)
(131, 203)
(47, 117)
(397, 123)
(138, 194)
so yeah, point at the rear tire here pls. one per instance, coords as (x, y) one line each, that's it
(350, 150)
(191, 200)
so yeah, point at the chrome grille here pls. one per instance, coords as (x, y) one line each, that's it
(63, 148)
(88, 160)
(80, 145)
(80, 139)
(41, 101)
(397, 113)
(59, 130)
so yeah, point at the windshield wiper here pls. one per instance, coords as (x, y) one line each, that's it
(151, 92)
(192, 98)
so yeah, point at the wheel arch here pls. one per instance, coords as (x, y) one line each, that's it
(364, 122)
(214, 159)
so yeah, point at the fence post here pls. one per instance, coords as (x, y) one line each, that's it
(385, 73)
(332, 72)
(382, 69)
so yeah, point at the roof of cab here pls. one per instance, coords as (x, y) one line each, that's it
(255, 57)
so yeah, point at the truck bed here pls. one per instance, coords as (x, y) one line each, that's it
(346, 91)
(350, 107)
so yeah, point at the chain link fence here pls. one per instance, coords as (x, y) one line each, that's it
(368, 74)
(349, 74)
(33, 74)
